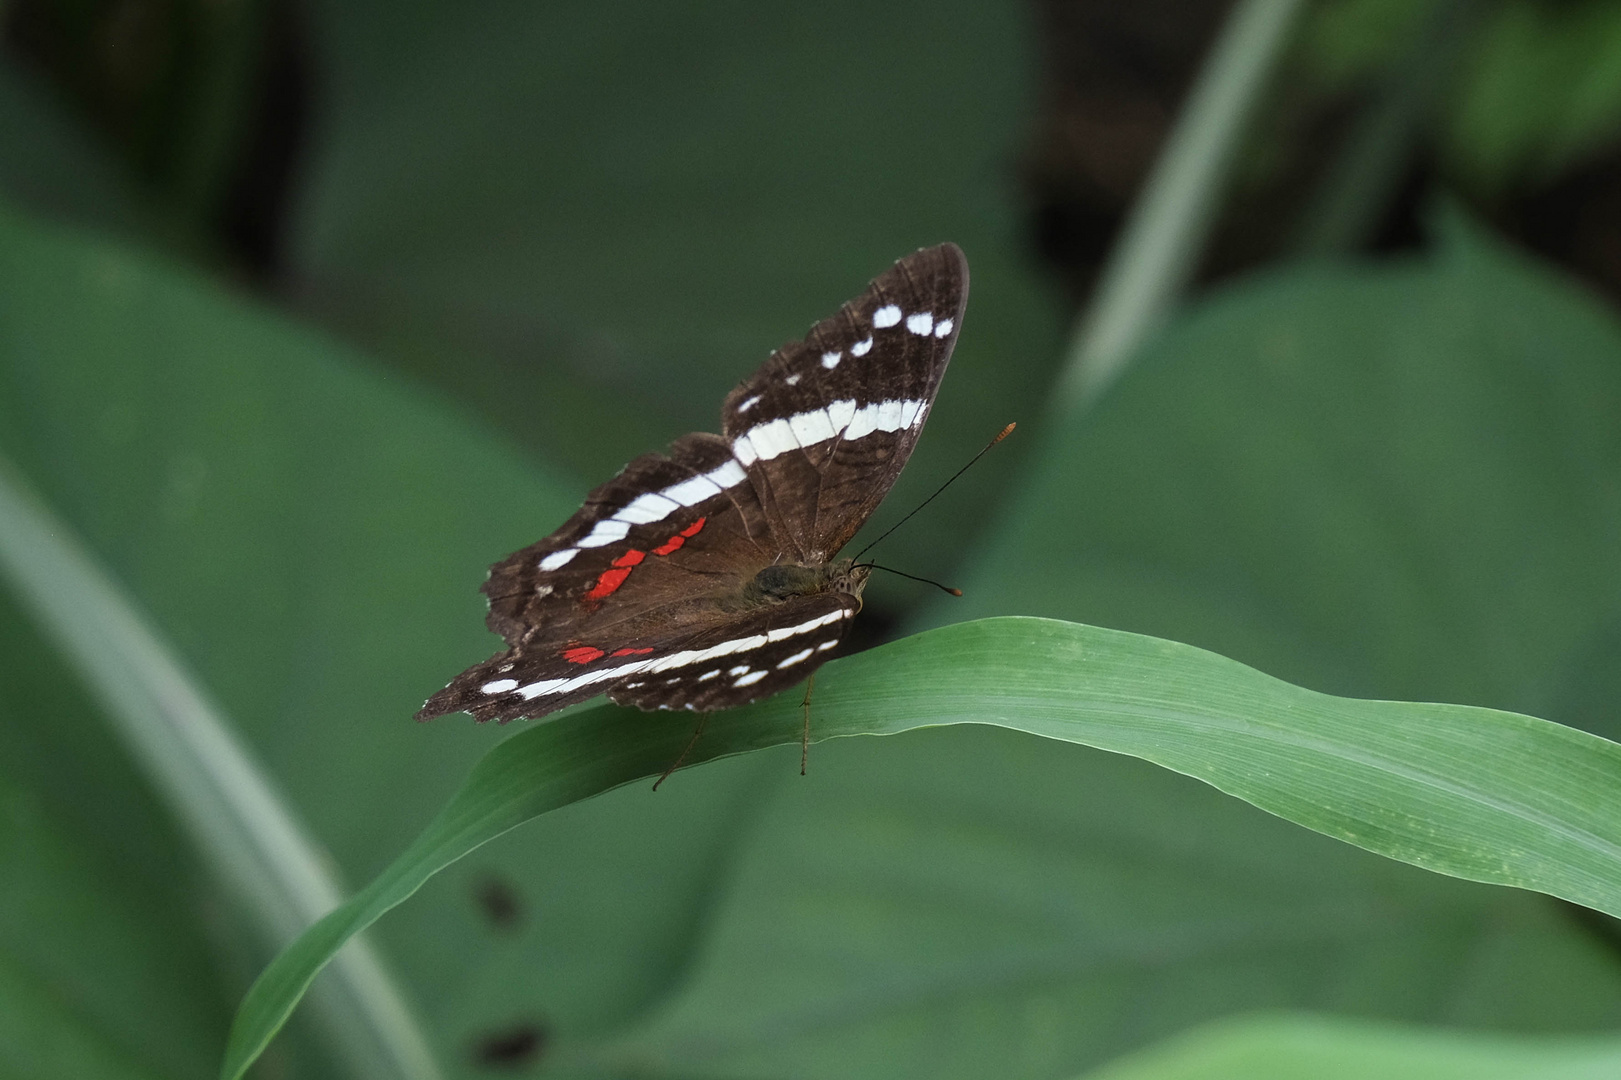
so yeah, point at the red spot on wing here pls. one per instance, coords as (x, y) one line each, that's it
(609, 580)
(582, 654)
(674, 543)
(629, 652)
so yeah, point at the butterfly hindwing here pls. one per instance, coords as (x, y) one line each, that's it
(731, 659)
(744, 660)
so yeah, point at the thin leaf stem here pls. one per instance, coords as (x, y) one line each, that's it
(1166, 230)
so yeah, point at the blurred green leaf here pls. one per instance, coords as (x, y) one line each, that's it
(1287, 1047)
(1478, 794)
(1349, 40)
(98, 977)
(1542, 87)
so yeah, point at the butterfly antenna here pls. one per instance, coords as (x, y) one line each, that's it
(1005, 432)
(914, 577)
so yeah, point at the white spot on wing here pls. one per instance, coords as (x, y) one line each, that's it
(741, 669)
(706, 676)
(794, 659)
(728, 475)
(692, 492)
(499, 686)
(748, 404)
(826, 645)
(909, 411)
(646, 508)
(830, 360)
(812, 427)
(888, 315)
(889, 415)
(743, 450)
(605, 532)
(558, 559)
(863, 422)
(840, 412)
(921, 323)
(771, 440)
(750, 679)
(792, 380)
(861, 348)
(942, 328)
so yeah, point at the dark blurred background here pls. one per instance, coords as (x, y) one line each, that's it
(199, 123)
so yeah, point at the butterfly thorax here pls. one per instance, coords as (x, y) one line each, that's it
(784, 581)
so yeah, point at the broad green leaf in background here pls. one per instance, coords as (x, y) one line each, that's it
(1289, 1047)
(1475, 793)
(590, 220)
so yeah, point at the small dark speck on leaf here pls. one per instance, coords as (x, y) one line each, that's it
(510, 1048)
(499, 901)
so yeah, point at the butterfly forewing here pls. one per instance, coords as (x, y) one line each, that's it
(649, 591)
(667, 529)
(826, 424)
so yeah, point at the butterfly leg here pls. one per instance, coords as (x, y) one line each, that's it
(804, 739)
(703, 718)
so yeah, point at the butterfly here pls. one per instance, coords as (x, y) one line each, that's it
(708, 576)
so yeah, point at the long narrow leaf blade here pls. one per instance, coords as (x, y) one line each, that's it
(1476, 793)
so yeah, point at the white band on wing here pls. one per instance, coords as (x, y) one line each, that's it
(653, 664)
(650, 507)
(840, 418)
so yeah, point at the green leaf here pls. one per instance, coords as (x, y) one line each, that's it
(1288, 1047)
(1541, 90)
(944, 903)
(1479, 794)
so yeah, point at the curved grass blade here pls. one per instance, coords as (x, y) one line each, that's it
(1476, 793)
